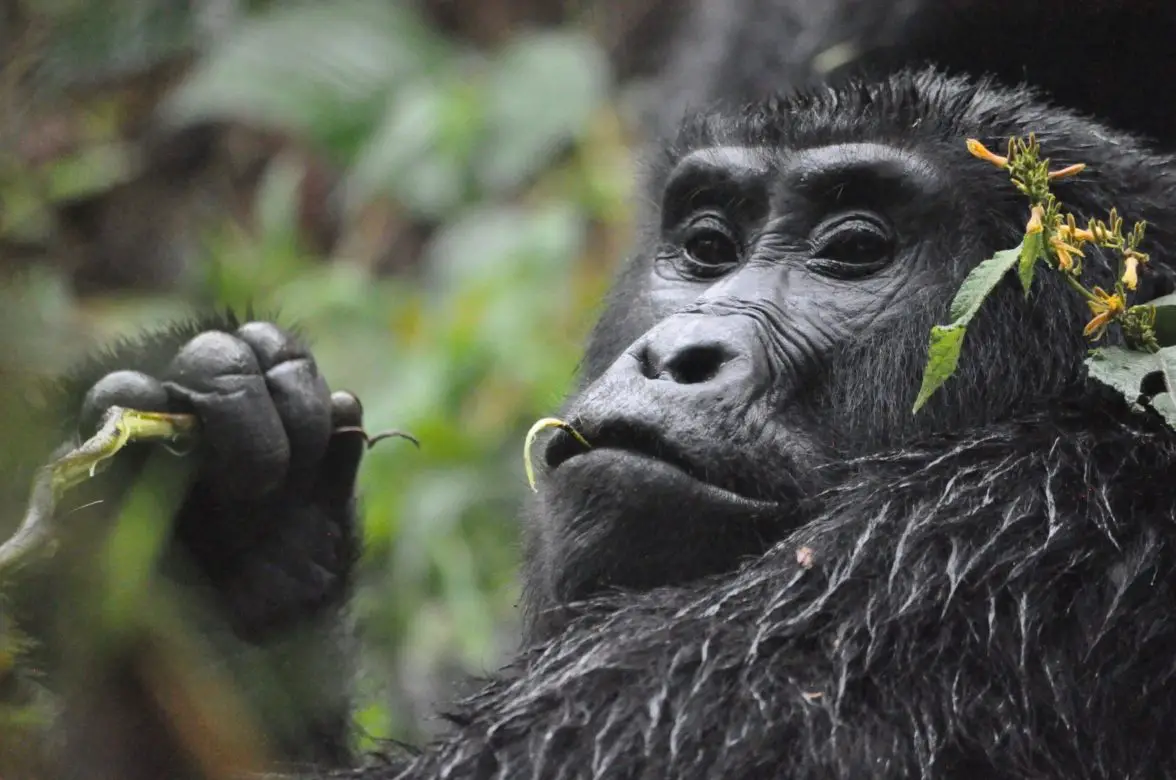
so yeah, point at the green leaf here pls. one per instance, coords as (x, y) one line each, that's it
(91, 42)
(407, 156)
(981, 281)
(1167, 361)
(278, 201)
(89, 172)
(326, 70)
(947, 340)
(943, 357)
(1166, 406)
(497, 242)
(1165, 319)
(1132, 373)
(1122, 369)
(540, 95)
(1032, 248)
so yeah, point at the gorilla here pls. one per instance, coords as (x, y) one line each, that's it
(765, 566)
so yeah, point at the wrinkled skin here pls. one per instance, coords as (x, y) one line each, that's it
(769, 263)
(766, 566)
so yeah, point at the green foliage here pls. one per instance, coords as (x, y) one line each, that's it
(324, 71)
(90, 41)
(948, 340)
(1144, 372)
(1032, 250)
(410, 116)
(541, 90)
(1165, 324)
(510, 163)
(1144, 378)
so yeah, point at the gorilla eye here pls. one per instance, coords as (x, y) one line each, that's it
(709, 247)
(851, 247)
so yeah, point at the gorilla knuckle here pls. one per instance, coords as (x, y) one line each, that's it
(272, 344)
(130, 389)
(210, 355)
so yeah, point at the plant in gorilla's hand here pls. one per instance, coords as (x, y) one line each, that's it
(119, 428)
(1144, 371)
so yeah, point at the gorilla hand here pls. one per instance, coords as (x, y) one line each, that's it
(269, 521)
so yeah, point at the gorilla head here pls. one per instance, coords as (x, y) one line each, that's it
(773, 324)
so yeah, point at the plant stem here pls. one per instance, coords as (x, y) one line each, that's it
(1077, 285)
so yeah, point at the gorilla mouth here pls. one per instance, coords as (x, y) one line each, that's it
(635, 440)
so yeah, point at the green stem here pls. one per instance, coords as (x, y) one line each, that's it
(1077, 285)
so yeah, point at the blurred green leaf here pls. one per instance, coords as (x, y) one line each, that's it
(93, 41)
(540, 94)
(325, 70)
(415, 154)
(92, 170)
(490, 241)
(277, 203)
(24, 213)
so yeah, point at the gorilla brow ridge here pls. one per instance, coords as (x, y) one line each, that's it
(910, 108)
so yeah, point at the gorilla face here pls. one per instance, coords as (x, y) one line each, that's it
(775, 324)
(707, 429)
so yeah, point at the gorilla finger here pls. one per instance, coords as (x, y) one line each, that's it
(246, 449)
(336, 484)
(272, 345)
(129, 389)
(303, 402)
(346, 410)
(299, 392)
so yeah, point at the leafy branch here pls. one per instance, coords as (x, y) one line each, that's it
(1145, 370)
(120, 427)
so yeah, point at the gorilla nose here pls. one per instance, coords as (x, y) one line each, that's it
(711, 353)
(689, 364)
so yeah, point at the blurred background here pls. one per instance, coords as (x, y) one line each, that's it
(438, 191)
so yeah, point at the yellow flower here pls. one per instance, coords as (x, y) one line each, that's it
(979, 150)
(1065, 253)
(1034, 225)
(1131, 273)
(1106, 308)
(1069, 170)
(1076, 235)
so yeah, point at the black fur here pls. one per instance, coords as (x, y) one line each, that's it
(1100, 57)
(990, 605)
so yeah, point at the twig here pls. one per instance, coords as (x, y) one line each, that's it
(119, 427)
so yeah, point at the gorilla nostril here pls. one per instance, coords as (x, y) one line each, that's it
(694, 364)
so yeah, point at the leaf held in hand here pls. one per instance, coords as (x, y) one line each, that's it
(119, 428)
